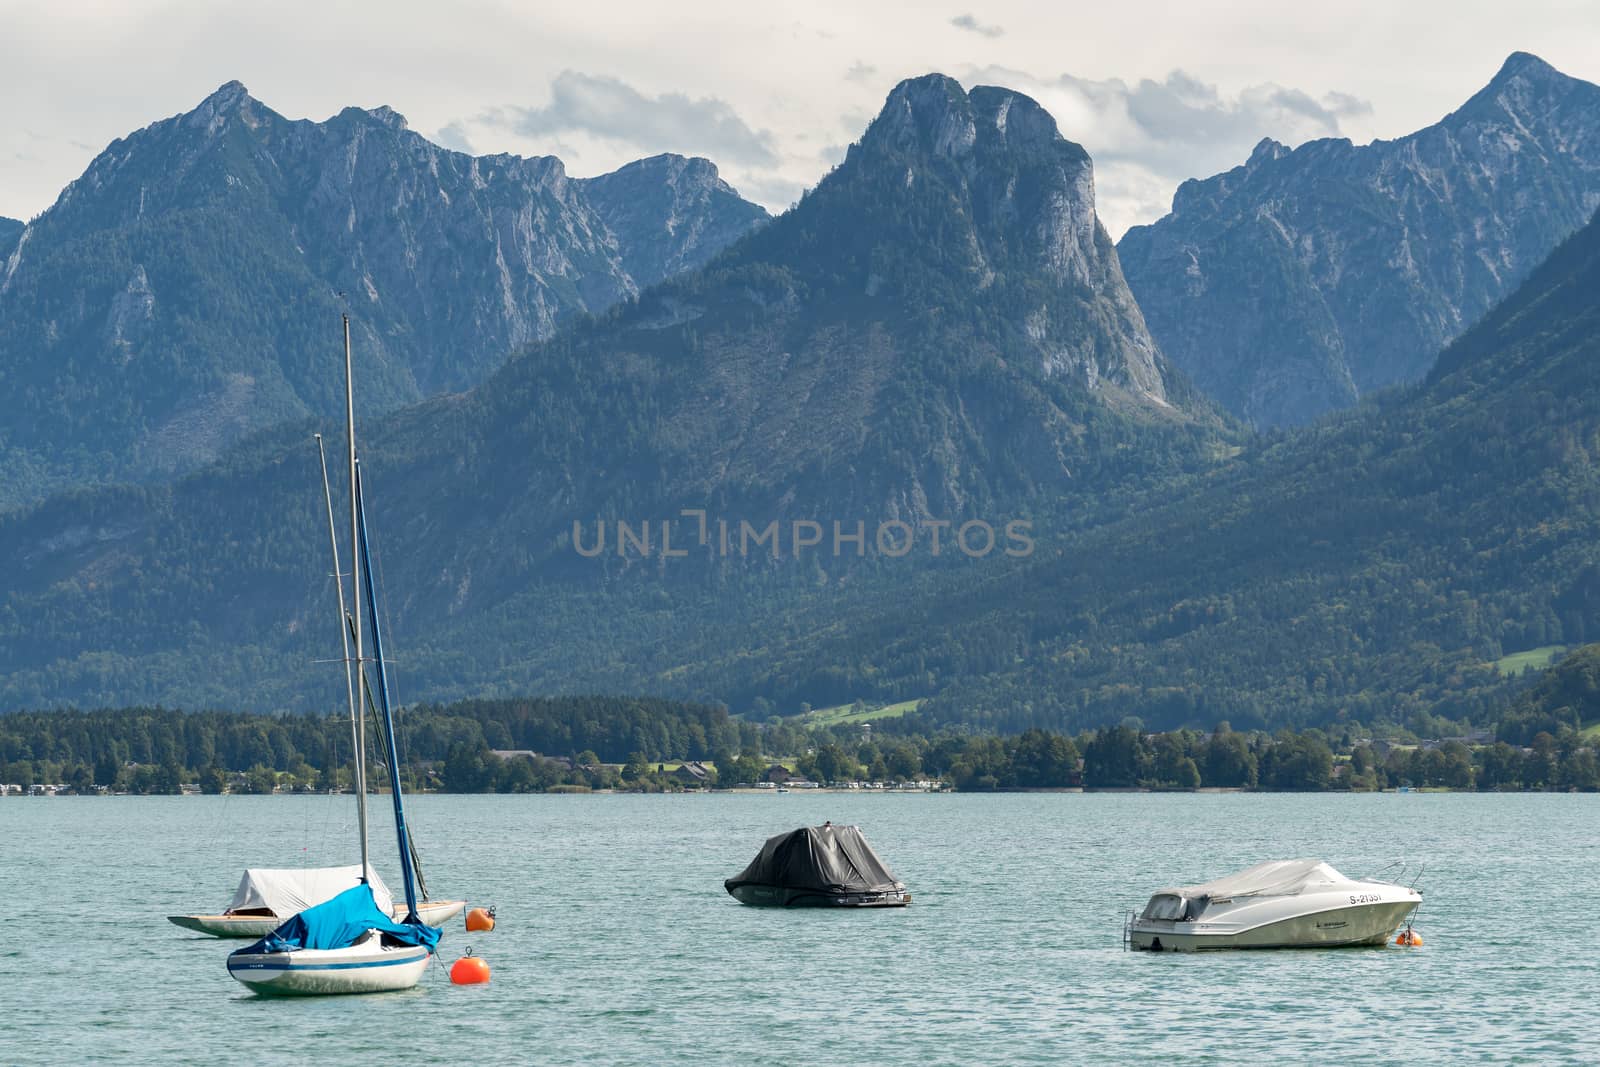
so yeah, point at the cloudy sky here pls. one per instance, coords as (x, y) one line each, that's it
(1157, 91)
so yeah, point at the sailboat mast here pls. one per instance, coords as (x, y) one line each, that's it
(358, 694)
(338, 578)
(400, 830)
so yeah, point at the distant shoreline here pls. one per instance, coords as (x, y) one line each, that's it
(830, 790)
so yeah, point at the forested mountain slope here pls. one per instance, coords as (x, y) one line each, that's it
(938, 333)
(1374, 565)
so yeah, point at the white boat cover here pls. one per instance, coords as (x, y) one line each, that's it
(1275, 878)
(289, 891)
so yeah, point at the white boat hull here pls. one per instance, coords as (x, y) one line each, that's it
(432, 912)
(365, 968)
(1367, 924)
(1366, 913)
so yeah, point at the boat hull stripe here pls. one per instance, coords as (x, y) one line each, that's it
(321, 966)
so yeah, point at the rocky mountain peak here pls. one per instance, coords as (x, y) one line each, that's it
(382, 115)
(1015, 119)
(978, 191)
(1526, 65)
(1525, 86)
(230, 99)
(985, 133)
(389, 117)
(681, 201)
(229, 94)
(1265, 151)
(673, 168)
(931, 114)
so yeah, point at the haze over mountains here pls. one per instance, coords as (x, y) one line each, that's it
(939, 332)
(175, 297)
(1292, 285)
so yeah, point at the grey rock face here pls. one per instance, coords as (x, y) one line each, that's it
(1023, 217)
(945, 294)
(1291, 285)
(205, 251)
(670, 214)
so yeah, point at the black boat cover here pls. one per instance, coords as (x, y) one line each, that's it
(825, 859)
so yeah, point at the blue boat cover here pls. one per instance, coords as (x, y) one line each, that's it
(339, 923)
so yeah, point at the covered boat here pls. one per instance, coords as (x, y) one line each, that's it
(1301, 903)
(343, 945)
(266, 896)
(818, 866)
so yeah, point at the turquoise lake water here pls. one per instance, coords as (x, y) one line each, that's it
(617, 944)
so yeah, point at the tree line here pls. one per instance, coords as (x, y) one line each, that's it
(585, 743)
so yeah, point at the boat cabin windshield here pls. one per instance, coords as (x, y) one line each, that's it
(1175, 908)
(1164, 906)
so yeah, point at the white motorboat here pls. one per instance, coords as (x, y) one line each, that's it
(348, 943)
(1279, 904)
(267, 896)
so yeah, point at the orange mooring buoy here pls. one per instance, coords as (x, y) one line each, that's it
(480, 920)
(469, 970)
(1408, 937)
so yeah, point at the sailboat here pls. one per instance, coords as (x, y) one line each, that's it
(348, 944)
(266, 896)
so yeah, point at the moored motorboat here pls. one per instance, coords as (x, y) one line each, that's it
(1302, 903)
(818, 866)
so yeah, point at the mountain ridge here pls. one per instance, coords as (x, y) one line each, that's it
(156, 311)
(681, 202)
(915, 342)
(1303, 279)
(951, 360)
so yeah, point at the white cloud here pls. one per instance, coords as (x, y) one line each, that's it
(610, 109)
(1148, 136)
(454, 136)
(758, 91)
(971, 24)
(773, 191)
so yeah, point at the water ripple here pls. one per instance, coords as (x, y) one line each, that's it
(616, 943)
